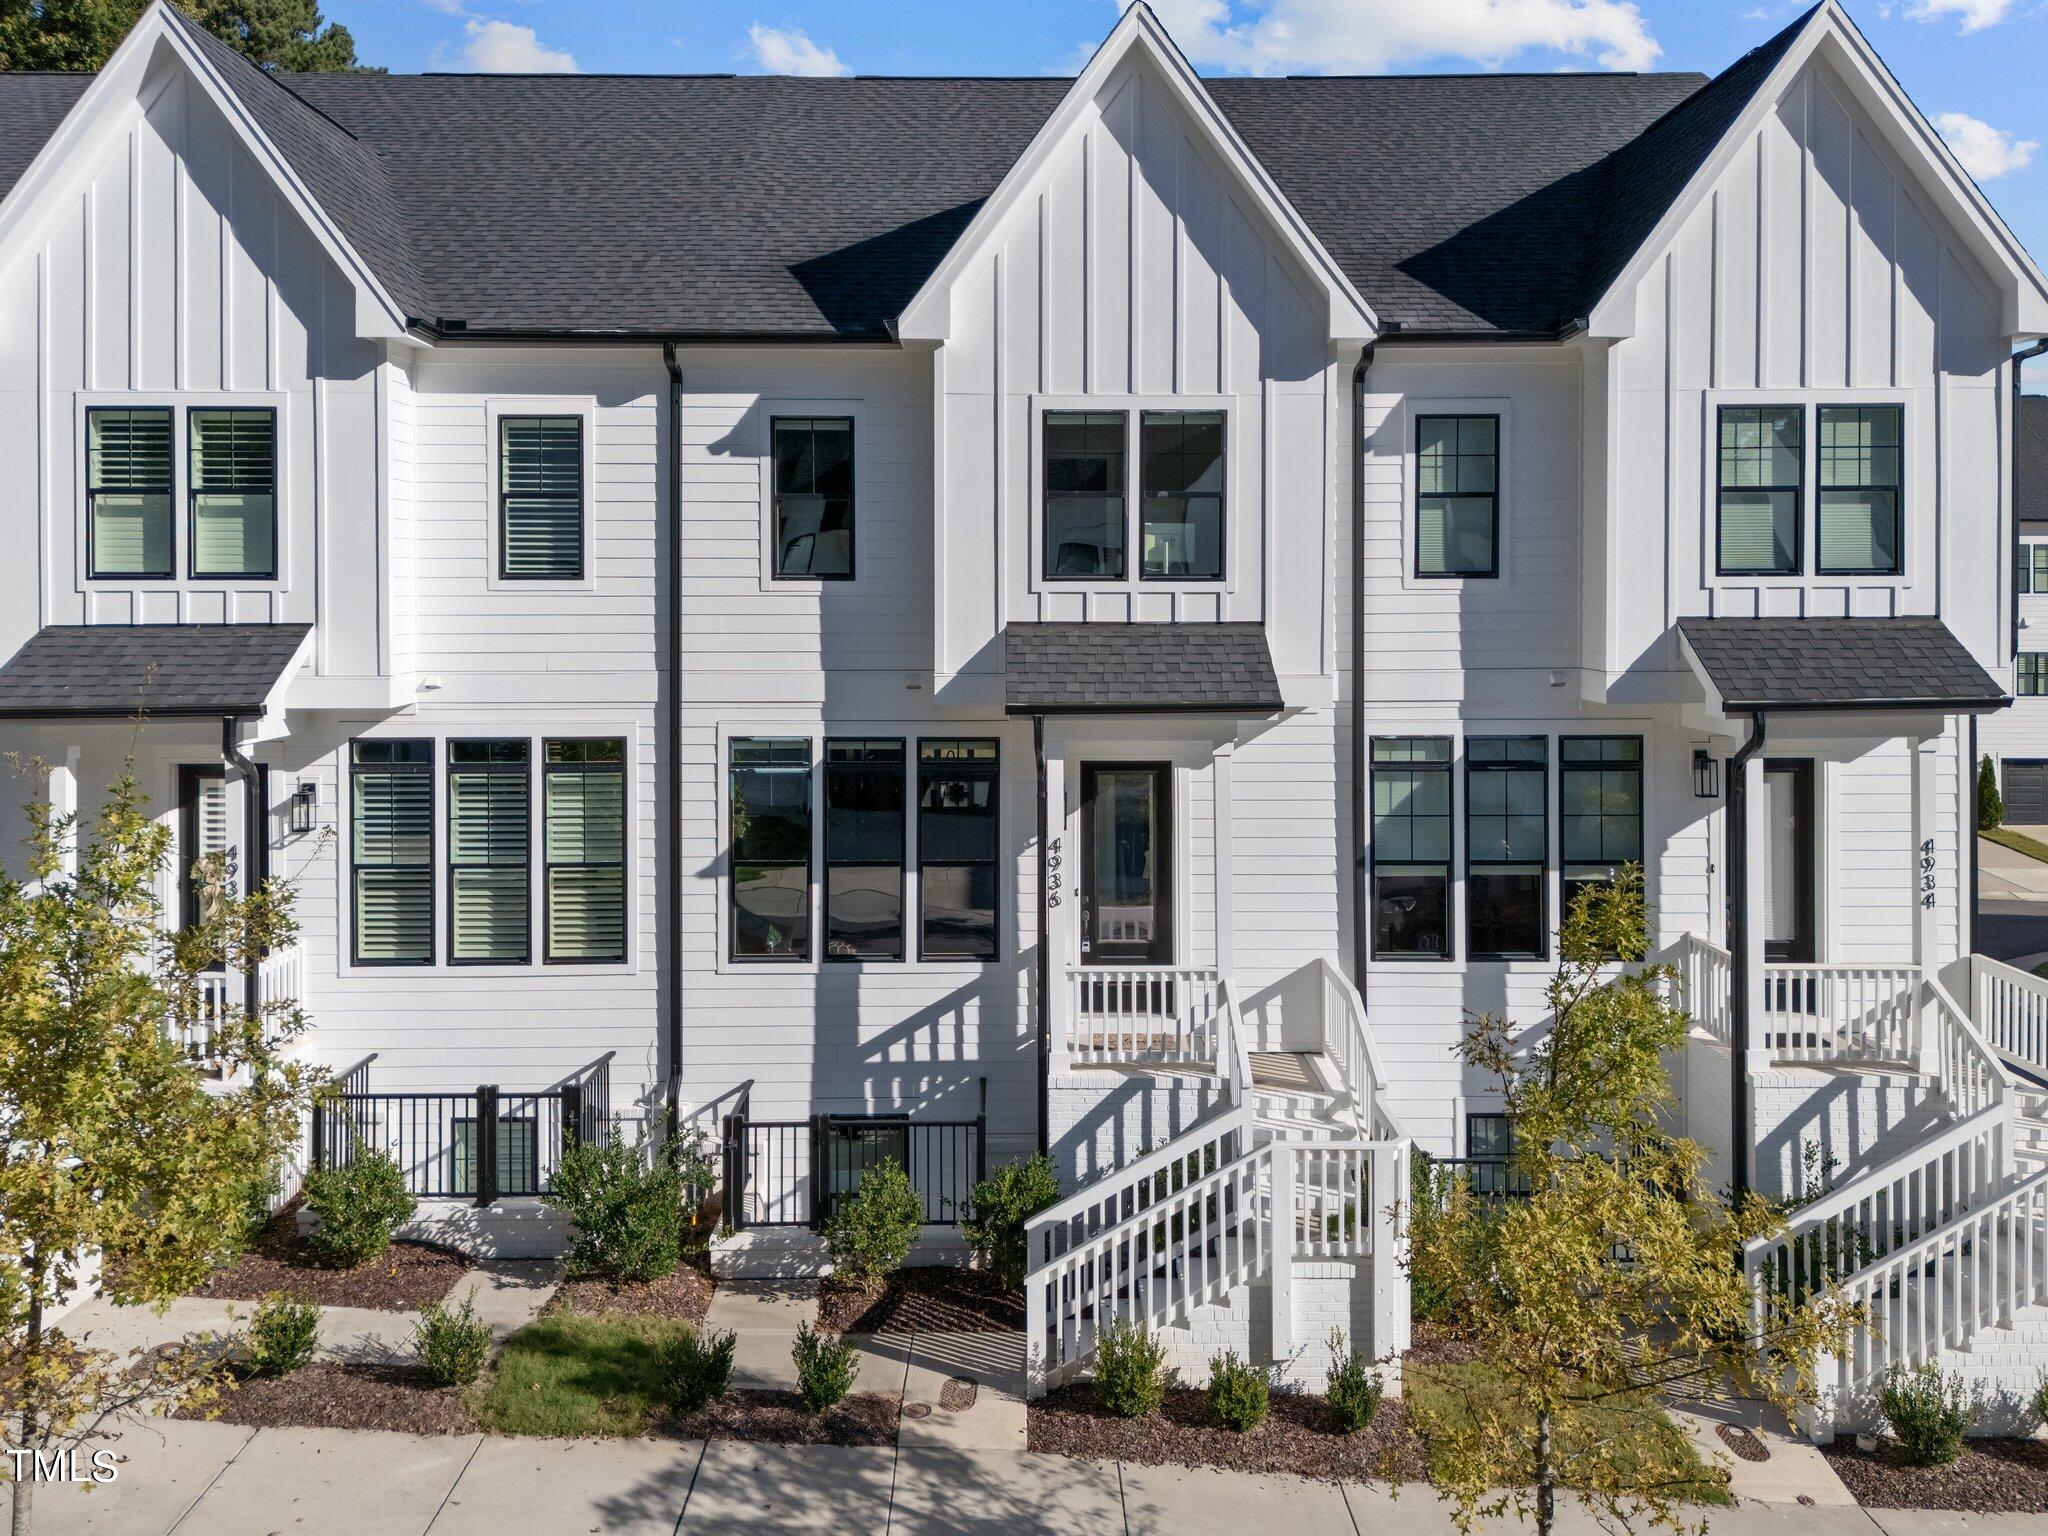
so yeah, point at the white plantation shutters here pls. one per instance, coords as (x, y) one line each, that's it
(234, 493)
(203, 828)
(1762, 473)
(490, 837)
(1457, 500)
(1859, 489)
(391, 819)
(585, 843)
(540, 486)
(128, 492)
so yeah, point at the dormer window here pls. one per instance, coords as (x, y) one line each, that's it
(1085, 454)
(128, 493)
(1762, 481)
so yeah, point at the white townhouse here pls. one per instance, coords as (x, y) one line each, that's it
(2017, 739)
(926, 618)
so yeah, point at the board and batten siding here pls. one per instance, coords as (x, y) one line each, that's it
(1814, 272)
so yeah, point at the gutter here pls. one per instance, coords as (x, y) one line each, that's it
(254, 815)
(2019, 362)
(1737, 839)
(1361, 876)
(673, 1002)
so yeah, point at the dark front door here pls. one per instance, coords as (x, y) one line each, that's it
(1788, 918)
(1126, 864)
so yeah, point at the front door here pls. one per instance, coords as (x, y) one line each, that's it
(1788, 917)
(1126, 864)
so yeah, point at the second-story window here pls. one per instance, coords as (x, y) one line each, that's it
(234, 493)
(2034, 569)
(1859, 490)
(1180, 455)
(490, 837)
(1084, 495)
(128, 493)
(813, 496)
(1762, 475)
(1457, 500)
(2030, 673)
(1506, 846)
(540, 498)
(864, 842)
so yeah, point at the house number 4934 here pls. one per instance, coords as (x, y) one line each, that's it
(1053, 882)
(1927, 873)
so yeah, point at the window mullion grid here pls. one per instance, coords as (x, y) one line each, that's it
(1401, 768)
(97, 485)
(868, 765)
(1484, 768)
(946, 766)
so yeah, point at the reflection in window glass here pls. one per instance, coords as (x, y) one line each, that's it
(958, 848)
(1411, 846)
(1084, 495)
(1599, 808)
(1181, 456)
(864, 826)
(1506, 846)
(771, 848)
(814, 496)
(1457, 503)
(1859, 489)
(1762, 472)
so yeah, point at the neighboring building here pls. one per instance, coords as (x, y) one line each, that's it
(2017, 740)
(916, 618)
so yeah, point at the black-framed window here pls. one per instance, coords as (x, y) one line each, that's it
(518, 1155)
(865, 822)
(959, 849)
(233, 491)
(1762, 481)
(1506, 846)
(391, 851)
(540, 498)
(1457, 496)
(583, 890)
(813, 496)
(2030, 673)
(1860, 531)
(490, 852)
(770, 809)
(128, 476)
(1490, 1150)
(1411, 847)
(1599, 808)
(1085, 521)
(1181, 457)
(2033, 579)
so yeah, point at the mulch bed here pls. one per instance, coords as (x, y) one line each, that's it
(404, 1279)
(1295, 1438)
(1992, 1476)
(330, 1395)
(682, 1296)
(779, 1418)
(940, 1298)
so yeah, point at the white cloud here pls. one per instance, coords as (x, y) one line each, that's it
(500, 48)
(787, 51)
(1986, 152)
(1975, 15)
(1272, 37)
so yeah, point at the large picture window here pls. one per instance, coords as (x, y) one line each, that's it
(1762, 478)
(1859, 490)
(958, 848)
(770, 807)
(1411, 847)
(584, 801)
(1599, 808)
(540, 498)
(1506, 846)
(391, 851)
(1084, 495)
(865, 789)
(813, 496)
(128, 493)
(234, 493)
(1181, 456)
(490, 837)
(1457, 500)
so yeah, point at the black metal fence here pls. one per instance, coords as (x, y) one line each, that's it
(790, 1173)
(483, 1145)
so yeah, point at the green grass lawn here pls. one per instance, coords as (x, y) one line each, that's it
(569, 1375)
(1444, 1388)
(2018, 842)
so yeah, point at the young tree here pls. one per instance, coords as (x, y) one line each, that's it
(1615, 1279)
(79, 34)
(1990, 804)
(111, 1144)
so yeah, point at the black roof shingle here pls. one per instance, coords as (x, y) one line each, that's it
(2030, 464)
(1780, 664)
(1058, 669)
(156, 669)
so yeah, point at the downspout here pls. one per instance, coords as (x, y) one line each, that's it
(1361, 875)
(1738, 946)
(1044, 946)
(254, 815)
(2020, 359)
(674, 1105)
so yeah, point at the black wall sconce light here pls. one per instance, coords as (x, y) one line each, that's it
(1706, 775)
(305, 802)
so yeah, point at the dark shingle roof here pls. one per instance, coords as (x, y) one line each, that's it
(31, 107)
(1775, 664)
(2030, 464)
(1083, 668)
(159, 669)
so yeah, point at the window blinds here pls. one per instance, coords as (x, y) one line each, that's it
(541, 485)
(489, 843)
(234, 493)
(128, 486)
(392, 821)
(586, 850)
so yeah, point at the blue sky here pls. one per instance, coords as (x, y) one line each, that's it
(1979, 68)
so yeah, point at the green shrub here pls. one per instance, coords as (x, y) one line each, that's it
(1355, 1388)
(626, 1201)
(696, 1369)
(1238, 1394)
(825, 1367)
(451, 1343)
(994, 1224)
(2040, 1403)
(359, 1207)
(1990, 804)
(1928, 1412)
(283, 1335)
(869, 1235)
(1130, 1370)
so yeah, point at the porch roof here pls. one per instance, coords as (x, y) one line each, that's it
(157, 669)
(1072, 669)
(1797, 664)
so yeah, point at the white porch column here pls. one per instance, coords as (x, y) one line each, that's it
(1756, 843)
(1926, 759)
(1061, 874)
(1226, 909)
(63, 793)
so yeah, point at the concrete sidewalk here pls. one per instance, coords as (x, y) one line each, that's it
(226, 1480)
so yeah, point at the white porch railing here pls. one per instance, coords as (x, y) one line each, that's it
(280, 978)
(1828, 1013)
(1159, 1014)
(2010, 1008)
(1347, 1042)
(1706, 979)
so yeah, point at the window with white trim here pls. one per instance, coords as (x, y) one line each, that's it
(584, 848)
(391, 851)
(1859, 527)
(234, 492)
(1411, 847)
(959, 848)
(540, 498)
(1762, 480)
(128, 480)
(769, 803)
(490, 852)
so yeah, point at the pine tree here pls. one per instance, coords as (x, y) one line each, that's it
(1990, 804)
(287, 35)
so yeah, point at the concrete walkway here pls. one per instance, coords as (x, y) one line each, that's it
(2005, 875)
(225, 1480)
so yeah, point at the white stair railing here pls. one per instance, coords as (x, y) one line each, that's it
(2010, 1008)
(1158, 1014)
(1348, 1043)
(1706, 979)
(1830, 1013)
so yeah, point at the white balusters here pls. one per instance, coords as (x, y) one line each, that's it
(2010, 1008)
(1140, 1013)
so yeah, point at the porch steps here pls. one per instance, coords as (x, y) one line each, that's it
(1295, 1097)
